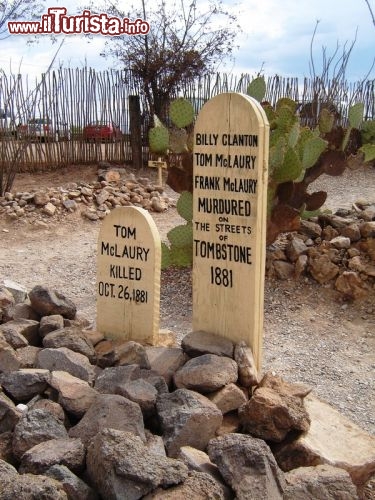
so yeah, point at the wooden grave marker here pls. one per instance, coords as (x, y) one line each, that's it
(128, 276)
(159, 164)
(231, 142)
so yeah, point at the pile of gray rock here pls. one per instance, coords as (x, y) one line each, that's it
(334, 249)
(113, 188)
(84, 417)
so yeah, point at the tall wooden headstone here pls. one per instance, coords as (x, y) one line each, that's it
(230, 193)
(128, 276)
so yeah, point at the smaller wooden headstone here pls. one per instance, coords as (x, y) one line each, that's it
(128, 276)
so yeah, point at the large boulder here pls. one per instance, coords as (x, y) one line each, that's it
(64, 359)
(47, 302)
(33, 428)
(331, 439)
(275, 409)
(30, 487)
(74, 394)
(198, 343)
(9, 414)
(69, 452)
(248, 466)
(121, 466)
(24, 384)
(322, 482)
(74, 487)
(187, 419)
(72, 338)
(206, 373)
(113, 411)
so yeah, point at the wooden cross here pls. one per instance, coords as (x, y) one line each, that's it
(159, 164)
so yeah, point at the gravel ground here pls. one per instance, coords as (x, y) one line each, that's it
(310, 335)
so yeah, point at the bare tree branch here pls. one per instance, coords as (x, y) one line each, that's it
(371, 11)
(11, 10)
(185, 41)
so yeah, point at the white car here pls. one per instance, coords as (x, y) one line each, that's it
(7, 126)
(43, 129)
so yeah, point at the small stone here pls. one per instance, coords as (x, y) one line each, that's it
(18, 291)
(367, 229)
(41, 199)
(351, 285)
(294, 249)
(50, 323)
(283, 270)
(90, 214)
(322, 269)
(311, 229)
(49, 209)
(70, 205)
(247, 371)
(340, 242)
(329, 233)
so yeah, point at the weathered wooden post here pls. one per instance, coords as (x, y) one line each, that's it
(135, 131)
(128, 276)
(230, 193)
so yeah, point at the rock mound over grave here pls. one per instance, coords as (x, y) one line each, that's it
(94, 200)
(74, 424)
(336, 249)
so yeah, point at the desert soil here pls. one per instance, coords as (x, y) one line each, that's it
(310, 334)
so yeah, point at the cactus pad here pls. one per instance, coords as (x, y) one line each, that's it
(257, 88)
(355, 114)
(369, 151)
(368, 132)
(290, 169)
(185, 206)
(166, 259)
(326, 121)
(181, 236)
(158, 138)
(312, 150)
(182, 257)
(285, 102)
(181, 112)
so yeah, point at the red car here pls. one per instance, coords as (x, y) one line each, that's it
(101, 131)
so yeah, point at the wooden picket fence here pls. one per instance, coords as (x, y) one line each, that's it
(77, 97)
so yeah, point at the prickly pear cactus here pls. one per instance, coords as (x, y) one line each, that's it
(298, 156)
(181, 112)
(158, 138)
(176, 139)
(180, 250)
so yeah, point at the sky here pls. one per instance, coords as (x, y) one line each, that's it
(276, 38)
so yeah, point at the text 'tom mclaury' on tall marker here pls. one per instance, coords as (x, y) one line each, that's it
(231, 138)
(128, 276)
